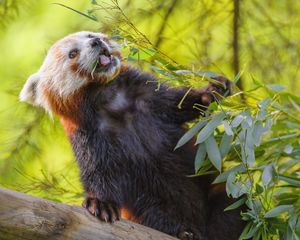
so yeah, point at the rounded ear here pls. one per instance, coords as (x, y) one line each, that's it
(29, 91)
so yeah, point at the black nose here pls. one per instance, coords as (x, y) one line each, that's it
(96, 42)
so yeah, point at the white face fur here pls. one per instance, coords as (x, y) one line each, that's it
(71, 63)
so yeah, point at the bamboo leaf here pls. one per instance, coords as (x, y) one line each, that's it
(190, 133)
(213, 152)
(227, 128)
(295, 105)
(257, 133)
(291, 180)
(223, 176)
(250, 156)
(213, 106)
(264, 103)
(200, 157)
(278, 210)
(225, 144)
(259, 189)
(288, 149)
(245, 231)
(237, 121)
(268, 174)
(210, 127)
(249, 139)
(234, 186)
(236, 204)
(276, 87)
(251, 232)
(262, 114)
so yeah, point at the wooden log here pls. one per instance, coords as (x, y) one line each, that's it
(26, 217)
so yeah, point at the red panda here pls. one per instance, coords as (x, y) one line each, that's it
(123, 133)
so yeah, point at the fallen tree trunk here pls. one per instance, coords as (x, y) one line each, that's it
(27, 217)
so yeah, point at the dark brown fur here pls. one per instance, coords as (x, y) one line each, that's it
(123, 135)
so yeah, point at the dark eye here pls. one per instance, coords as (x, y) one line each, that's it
(90, 36)
(73, 53)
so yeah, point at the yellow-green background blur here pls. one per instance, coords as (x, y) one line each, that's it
(35, 156)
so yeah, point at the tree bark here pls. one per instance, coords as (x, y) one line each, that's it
(161, 30)
(235, 41)
(26, 217)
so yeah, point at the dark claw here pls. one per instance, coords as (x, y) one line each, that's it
(115, 212)
(105, 211)
(190, 234)
(223, 86)
(186, 235)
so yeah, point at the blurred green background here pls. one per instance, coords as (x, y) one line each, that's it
(259, 39)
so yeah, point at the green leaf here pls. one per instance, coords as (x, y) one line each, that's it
(213, 106)
(251, 232)
(213, 152)
(268, 125)
(200, 157)
(286, 198)
(255, 206)
(245, 231)
(262, 114)
(225, 144)
(268, 174)
(247, 144)
(248, 231)
(288, 149)
(141, 54)
(159, 70)
(237, 121)
(276, 87)
(210, 127)
(257, 133)
(283, 137)
(248, 122)
(250, 156)
(230, 183)
(133, 50)
(278, 210)
(249, 139)
(206, 168)
(227, 128)
(295, 105)
(236, 204)
(264, 103)
(199, 73)
(235, 187)
(237, 77)
(190, 133)
(257, 82)
(257, 235)
(223, 176)
(291, 180)
(292, 226)
(207, 74)
(259, 189)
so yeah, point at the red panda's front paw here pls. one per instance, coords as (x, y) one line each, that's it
(189, 235)
(105, 211)
(221, 87)
(185, 235)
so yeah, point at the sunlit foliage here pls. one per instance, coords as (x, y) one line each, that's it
(250, 140)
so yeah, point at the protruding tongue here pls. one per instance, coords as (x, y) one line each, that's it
(104, 60)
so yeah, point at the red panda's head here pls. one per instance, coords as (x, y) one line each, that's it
(70, 64)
